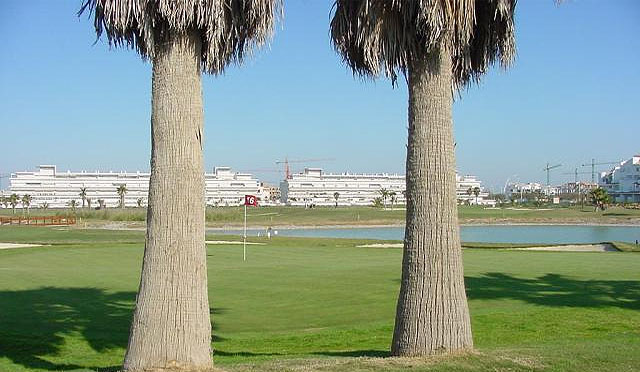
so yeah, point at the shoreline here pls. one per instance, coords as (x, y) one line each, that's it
(141, 227)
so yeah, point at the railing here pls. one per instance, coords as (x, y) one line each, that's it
(38, 220)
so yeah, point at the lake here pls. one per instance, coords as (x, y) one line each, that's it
(543, 234)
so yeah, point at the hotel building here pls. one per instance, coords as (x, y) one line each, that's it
(623, 181)
(314, 187)
(223, 187)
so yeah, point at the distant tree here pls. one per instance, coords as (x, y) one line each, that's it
(44, 205)
(72, 204)
(122, 191)
(377, 202)
(140, 202)
(599, 198)
(83, 195)
(101, 204)
(393, 198)
(89, 203)
(476, 192)
(336, 195)
(14, 200)
(384, 194)
(5, 201)
(499, 198)
(26, 202)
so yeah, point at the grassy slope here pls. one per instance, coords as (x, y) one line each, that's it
(279, 216)
(626, 247)
(317, 301)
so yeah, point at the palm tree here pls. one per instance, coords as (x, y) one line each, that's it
(336, 195)
(89, 203)
(102, 204)
(26, 202)
(439, 46)
(5, 201)
(44, 205)
(469, 193)
(384, 194)
(599, 198)
(122, 191)
(392, 197)
(476, 192)
(14, 200)
(171, 325)
(140, 202)
(72, 204)
(83, 195)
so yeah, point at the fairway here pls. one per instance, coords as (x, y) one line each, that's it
(229, 217)
(323, 303)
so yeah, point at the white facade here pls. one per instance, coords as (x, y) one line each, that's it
(465, 191)
(623, 181)
(314, 187)
(518, 190)
(580, 187)
(57, 189)
(225, 188)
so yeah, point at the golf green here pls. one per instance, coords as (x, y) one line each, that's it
(319, 303)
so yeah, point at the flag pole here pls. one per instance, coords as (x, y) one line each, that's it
(244, 238)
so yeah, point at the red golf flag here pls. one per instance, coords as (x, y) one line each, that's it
(250, 200)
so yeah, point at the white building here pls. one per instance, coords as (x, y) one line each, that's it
(623, 181)
(224, 187)
(314, 187)
(519, 190)
(580, 187)
(57, 189)
(466, 187)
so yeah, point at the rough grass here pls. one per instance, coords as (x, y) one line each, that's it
(626, 247)
(286, 216)
(308, 304)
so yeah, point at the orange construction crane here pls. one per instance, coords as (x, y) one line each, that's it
(287, 170)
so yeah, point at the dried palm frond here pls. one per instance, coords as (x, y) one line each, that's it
(382, 36)
(229, 28)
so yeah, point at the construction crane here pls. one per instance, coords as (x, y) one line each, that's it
(549, 168)
(287, 170)
(576, 173)
(593, 167)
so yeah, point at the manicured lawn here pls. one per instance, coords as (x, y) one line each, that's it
(320, 303)
(284, 216)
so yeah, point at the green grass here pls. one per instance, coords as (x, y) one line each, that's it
(282, 216)
(626, 247)
(322, 303)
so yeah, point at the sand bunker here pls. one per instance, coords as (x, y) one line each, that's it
(15, 245)
(381, 245)
(230, 242)
(605, 247)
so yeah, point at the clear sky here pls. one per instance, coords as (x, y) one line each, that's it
(573, 94)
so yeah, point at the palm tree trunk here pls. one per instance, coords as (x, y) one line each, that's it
(171, 327)
(432, 314)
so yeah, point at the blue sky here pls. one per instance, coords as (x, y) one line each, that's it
(573, 94)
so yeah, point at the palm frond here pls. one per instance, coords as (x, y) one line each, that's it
(377, 37)
(229, 28)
